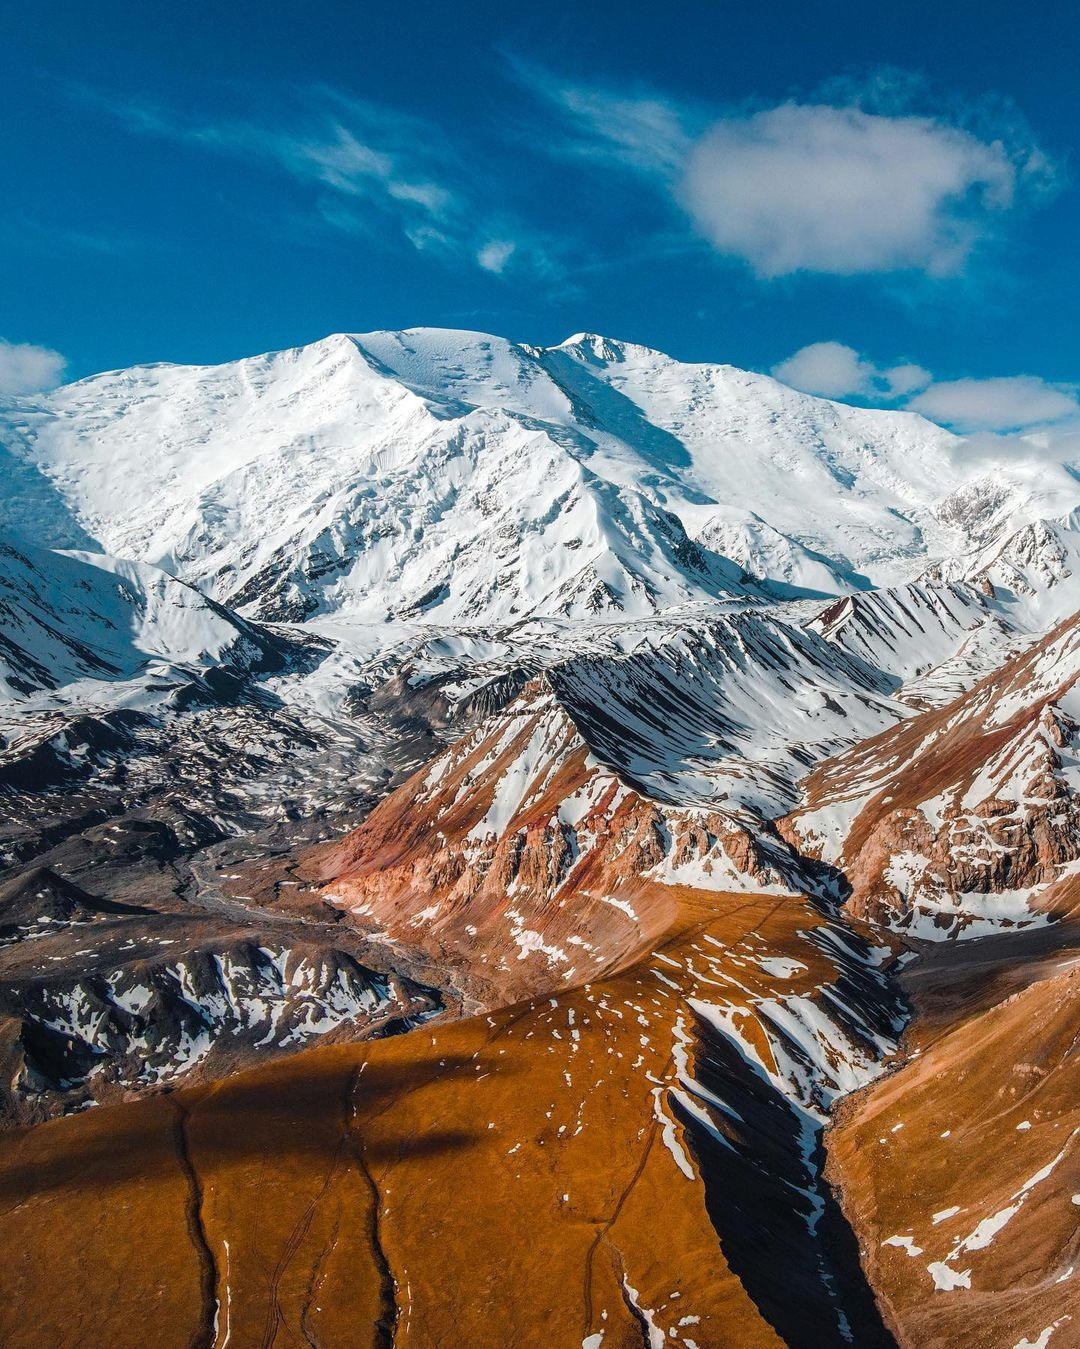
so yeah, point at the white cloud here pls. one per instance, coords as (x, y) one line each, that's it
(825, 186)
(834, 370)
(495, 254)
(998, 406)
(838, 190)
(1008, 404)
(827, 368)
(641, 132)
(349, 165)
(904, 379)
(26, 369)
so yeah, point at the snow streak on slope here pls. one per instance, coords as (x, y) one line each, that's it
(155, 1021)
(931, 641)
(526, 863)
(730, 715)
(956, 821)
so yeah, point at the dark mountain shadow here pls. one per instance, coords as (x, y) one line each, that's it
(276, 1112)
(780, 1228)
(598, 404)
(32, 508)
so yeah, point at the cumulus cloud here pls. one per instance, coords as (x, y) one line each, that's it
(1015, 403)
(25, 368)
(996, 406)
(905, 378)
(839, 190)
(834, 370)
(854, 183)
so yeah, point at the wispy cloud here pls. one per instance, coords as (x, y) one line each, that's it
(495, 255)
(865, 183)
(638, 130)
(25, 368)
(372, 169)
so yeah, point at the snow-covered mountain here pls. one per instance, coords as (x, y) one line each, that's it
(72, 618)
(458, 478)
(382, 537)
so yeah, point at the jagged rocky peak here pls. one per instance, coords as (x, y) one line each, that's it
(964, 820)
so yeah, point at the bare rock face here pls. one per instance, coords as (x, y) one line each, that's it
(962, 820)
(101, 1001)
(95, 1036)
(523, 863)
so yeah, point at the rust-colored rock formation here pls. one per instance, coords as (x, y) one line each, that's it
(522, 864)
(963, 817)
(626, 1149)
(961, 1170)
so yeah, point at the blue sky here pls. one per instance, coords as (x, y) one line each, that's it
(891, 185)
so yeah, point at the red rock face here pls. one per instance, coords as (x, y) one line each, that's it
(963, 819)
(522, 864)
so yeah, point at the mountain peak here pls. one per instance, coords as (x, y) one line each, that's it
(608, 349)
(447, 475)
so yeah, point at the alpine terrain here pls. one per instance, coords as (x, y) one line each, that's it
(507, 847)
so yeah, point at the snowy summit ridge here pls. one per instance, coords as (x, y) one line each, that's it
(457, 478)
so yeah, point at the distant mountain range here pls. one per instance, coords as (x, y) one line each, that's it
(458, 478)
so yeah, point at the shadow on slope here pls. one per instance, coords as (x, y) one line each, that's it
(228, 1126)
(779, 1226)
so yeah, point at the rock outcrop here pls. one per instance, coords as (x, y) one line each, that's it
(963, 820)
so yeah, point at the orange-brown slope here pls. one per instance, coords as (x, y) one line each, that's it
(598, 1168)
(952, 823)
(961, 1170)
(515, 860)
